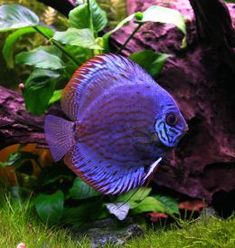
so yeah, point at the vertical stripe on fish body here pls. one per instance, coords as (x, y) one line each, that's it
(117, 125)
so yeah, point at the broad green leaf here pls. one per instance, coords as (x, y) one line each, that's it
(80, 54)
(120, 210)
(230, 1)
(14, 16)
(79, 17)
(40, 58)
(16, 35)
(152, 14)
(149, 204)
(99, 17)
(75, 215)
(50, 207)
(77, 37)
(55, 97)
(51, 50)
(164, 15)
(170, 204)
(10, 41)
(81, 190)
(151, 61)
(133, 196)
(39, 88)
(84, 213)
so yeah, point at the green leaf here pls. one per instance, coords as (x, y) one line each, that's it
(80, 54)
(79, 17)
(152, 14)
(151, 61)
(99, 17)
(75, 215)
(14, 16)
(10, 41)
(39, 89)
(55, 97)
(133, 196)
(50, 207)
(83, 214)
(17, 158)
(16, 35)
(80, 190)
(170, 204)
(51, 50)
(40, 58)
(164, 15)
(149, 204)
(120, 24)
(77, 37)
(105, 38)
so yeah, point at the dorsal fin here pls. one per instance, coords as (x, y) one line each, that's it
(95, 77)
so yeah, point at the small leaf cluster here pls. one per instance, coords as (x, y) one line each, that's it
(55, 209)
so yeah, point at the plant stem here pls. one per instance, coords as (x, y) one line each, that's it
(130, 37)
(90, 22)
(90, 16)
(55, 43)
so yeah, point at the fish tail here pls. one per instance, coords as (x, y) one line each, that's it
(59, 135)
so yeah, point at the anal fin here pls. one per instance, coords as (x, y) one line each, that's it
(152, 168)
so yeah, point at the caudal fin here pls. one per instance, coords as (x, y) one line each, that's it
(59, 135)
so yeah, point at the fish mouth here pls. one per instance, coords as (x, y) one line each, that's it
(159, 143)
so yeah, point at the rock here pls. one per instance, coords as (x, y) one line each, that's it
(102, 237)
(111, 231)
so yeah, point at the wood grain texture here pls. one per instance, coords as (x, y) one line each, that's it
(16, 124)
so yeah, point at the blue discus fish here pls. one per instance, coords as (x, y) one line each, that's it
(119, 124)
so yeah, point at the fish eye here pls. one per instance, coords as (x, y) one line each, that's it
(171, 119)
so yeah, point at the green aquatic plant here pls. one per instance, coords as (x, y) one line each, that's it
(53, 62)
(18, 225)
(59, 197)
